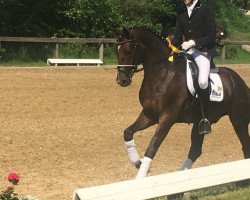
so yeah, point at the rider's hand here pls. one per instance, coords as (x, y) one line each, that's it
(187, 45)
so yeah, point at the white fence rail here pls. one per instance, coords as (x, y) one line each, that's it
(167, 184)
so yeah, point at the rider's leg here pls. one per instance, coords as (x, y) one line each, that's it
(203, 63)
(204, 69)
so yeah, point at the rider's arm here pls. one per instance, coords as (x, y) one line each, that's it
(209, 38)
(178, 34)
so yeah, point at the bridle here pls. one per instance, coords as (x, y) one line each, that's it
(129, 70)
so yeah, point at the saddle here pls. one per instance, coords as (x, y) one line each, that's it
(195, 70)
(214, 81)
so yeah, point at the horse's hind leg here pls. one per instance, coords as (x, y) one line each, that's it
(195, 148)
(240, 124)
(240, 111)
(142, 122)
(194, 152)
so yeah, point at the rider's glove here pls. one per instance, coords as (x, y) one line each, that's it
(187, 45)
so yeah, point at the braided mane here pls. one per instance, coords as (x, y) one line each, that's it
(144, 28)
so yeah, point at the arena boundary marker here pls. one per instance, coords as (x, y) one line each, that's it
(78, 62)
(170, 183)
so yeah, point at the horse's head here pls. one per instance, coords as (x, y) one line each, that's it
(130, 53)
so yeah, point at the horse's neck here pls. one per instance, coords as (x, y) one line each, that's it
(157, 65)
(157, 55)
(157, 52)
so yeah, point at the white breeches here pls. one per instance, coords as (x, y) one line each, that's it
(203, 63)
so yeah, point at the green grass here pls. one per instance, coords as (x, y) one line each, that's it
(223, 192)
(242, 57)
(243, 194)
(16, 63)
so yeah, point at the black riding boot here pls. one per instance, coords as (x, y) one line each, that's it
(204, 125)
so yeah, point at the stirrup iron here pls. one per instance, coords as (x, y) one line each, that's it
(204, 126)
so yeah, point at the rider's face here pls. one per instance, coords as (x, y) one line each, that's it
(188, 2)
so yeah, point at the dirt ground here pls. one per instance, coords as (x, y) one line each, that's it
(62, 129)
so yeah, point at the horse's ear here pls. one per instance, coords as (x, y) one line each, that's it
(127, 33)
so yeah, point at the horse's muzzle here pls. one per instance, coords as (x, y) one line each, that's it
(125, 73)
(123, 82)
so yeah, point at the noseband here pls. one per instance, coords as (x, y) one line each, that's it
(129, 70)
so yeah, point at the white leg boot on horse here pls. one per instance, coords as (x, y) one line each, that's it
(132, 152)
(142, 164)
(144, 168)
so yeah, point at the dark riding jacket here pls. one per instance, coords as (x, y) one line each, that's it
(200, 27)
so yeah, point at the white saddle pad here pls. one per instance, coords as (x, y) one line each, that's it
(216, 85)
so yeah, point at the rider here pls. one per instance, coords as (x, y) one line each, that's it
(197, 26)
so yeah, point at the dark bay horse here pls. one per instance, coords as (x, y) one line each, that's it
(166, 100)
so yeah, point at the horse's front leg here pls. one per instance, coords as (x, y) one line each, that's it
(142, 122)
(161, 132)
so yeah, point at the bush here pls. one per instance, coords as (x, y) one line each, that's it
(26, 52)
(77, 50)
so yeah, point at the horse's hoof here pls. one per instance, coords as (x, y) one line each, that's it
(138, 164)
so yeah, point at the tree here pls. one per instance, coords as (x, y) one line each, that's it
(243, 4)
(88, 18)
(229, 16)
(31, 17)
(157, 14)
